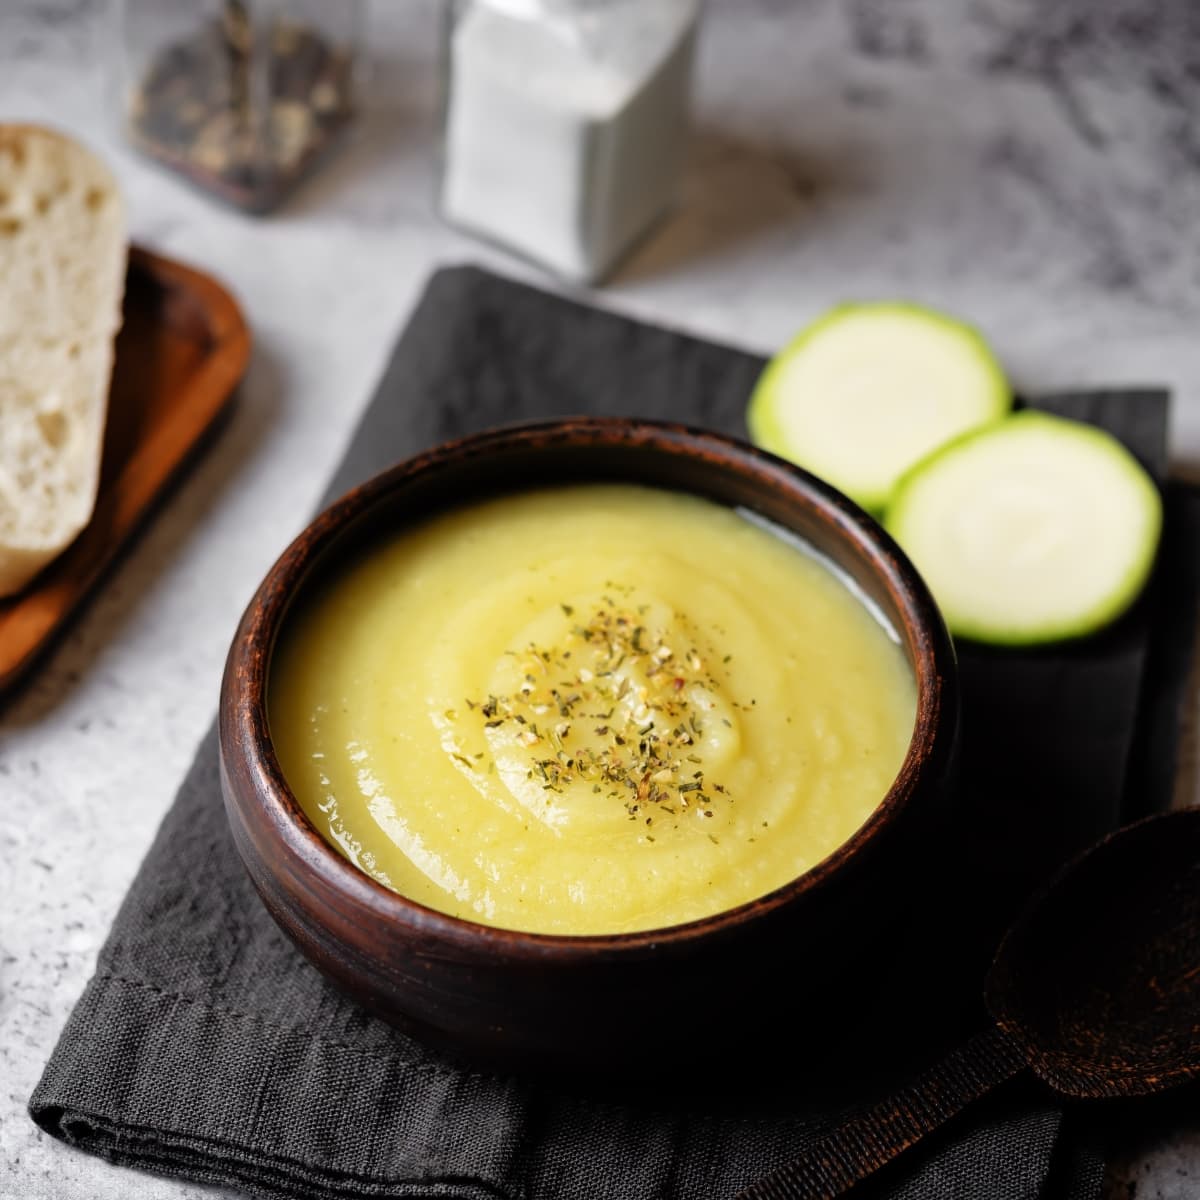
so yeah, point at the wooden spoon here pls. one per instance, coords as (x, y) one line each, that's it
(1096, 989)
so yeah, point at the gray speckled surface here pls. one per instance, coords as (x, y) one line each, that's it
(1033, 167)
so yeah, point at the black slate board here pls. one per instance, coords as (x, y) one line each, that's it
(205, 1047)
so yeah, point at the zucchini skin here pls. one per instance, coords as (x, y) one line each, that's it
(762, 412)
(1089, 621)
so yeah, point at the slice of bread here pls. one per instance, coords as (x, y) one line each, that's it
(62, 275)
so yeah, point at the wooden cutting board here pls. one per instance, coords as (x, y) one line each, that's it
(182, 349)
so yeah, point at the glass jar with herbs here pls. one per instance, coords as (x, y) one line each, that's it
(565, 123)
(243, 97)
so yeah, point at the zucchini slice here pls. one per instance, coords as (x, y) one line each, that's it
(1031, 530)
(869, 390)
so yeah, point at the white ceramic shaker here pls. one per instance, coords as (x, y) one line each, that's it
(565, 123)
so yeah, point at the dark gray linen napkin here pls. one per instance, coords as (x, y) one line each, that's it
(204, 1047)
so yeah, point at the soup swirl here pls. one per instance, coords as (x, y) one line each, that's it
(588, 709)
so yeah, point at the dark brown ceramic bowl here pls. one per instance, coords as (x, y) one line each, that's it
(595, 1001)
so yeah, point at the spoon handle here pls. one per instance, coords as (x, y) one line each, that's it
(868, 1140)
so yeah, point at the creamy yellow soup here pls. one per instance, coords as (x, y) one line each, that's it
(589, 709)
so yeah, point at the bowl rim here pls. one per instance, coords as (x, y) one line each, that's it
(244, 729)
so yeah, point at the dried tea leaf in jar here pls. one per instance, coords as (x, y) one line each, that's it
(242, 97)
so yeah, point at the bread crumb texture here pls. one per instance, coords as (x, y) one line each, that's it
(62, 270)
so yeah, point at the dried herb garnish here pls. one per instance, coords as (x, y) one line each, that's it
(639, 753)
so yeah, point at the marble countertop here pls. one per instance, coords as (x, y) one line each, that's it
(1034, 168)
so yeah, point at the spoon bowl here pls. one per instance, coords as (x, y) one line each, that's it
(1098, 983)
(1095, 988)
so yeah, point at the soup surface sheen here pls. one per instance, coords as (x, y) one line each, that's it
(588, 709)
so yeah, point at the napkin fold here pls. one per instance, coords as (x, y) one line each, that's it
(205, 1047)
